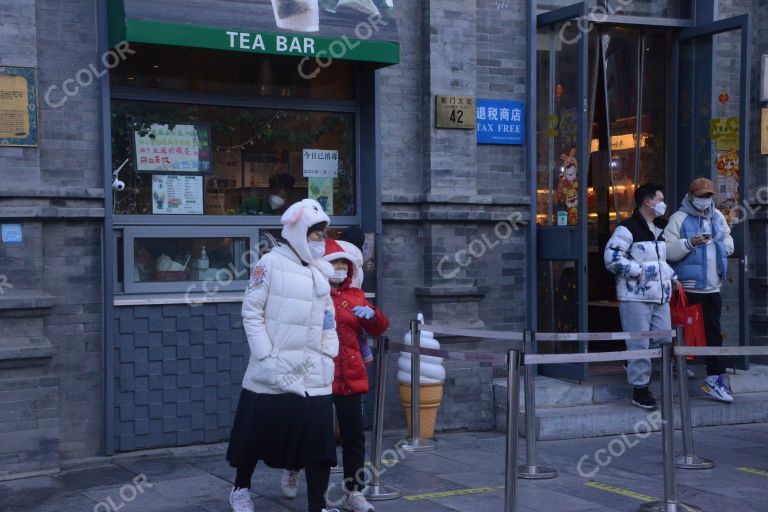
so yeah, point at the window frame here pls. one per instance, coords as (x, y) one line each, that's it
(131, 227)
(130, 234)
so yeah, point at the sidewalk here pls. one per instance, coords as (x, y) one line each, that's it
(465, 473)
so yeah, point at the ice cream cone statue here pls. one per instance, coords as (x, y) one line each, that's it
(431, 381)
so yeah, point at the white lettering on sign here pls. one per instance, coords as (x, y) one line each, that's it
(283, 44)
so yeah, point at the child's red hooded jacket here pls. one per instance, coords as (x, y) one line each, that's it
(351, 377)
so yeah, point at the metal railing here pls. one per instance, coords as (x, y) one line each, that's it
(522, 355)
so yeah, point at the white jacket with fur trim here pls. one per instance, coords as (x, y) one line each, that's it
(291, 330)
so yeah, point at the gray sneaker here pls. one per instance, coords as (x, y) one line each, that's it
(356, 502)
(240, 500)
(289, 484)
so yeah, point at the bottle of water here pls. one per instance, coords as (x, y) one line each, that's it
(202, 263)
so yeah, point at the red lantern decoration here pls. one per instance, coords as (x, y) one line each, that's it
(559, 91)
(723, 98)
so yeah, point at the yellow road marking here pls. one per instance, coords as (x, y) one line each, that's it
(622, 492)
(448, 494)
(753, 471)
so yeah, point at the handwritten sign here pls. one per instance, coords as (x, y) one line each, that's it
(320, 163)
(184, 148)
(500, 122)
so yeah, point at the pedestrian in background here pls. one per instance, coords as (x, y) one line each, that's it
(636, 255)
(699, 240)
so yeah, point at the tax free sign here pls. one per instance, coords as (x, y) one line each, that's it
(500, 122)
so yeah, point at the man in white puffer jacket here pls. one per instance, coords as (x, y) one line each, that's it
(285, 412)
(637, 255)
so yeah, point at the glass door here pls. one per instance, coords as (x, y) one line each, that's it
(561, 155)
(711, 87)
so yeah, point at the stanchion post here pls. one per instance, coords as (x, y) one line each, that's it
(375, 491)
(416, 443)
(688, 460)
(530, 470)
(510, 452)
(669, 503)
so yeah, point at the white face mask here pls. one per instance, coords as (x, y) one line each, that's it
(316, 248)
(276, 202)
(702, 203)
(660, 208)
(338, 276)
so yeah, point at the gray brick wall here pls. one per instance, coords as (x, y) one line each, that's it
(178, 374)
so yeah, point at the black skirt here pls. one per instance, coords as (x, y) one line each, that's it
(284, 431)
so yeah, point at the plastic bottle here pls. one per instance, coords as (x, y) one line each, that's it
(202, 263)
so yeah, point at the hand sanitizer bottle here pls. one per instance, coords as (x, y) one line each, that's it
(202, 263)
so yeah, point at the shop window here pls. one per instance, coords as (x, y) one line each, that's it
(235, 73)
(211, 160)
(187, 259)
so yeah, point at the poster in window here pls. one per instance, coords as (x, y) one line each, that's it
(321, 190)
(320, 163)
(179, 148)
(179, 195)
(18, 107)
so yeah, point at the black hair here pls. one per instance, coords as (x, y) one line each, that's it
(281, 180)
(353, 235)
(320, 226)
(646, 191)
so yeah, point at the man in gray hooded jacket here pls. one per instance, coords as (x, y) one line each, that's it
(699, 242)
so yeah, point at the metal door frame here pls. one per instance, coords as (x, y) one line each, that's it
(578, 233)
(739, 231)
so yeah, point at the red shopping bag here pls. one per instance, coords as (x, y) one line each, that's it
(690, 316)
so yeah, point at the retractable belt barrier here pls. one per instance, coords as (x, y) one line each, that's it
(523, 356)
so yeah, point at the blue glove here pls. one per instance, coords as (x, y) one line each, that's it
(363, 312)
(328, 320)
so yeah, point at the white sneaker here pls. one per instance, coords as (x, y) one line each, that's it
(289, 484)
(356, 502)
(240, 500)
(715, 387)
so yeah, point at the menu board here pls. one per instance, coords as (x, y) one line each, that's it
(180, 148)
(18, 111)
(179, 195)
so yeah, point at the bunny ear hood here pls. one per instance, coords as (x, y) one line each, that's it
(296, 220)
(354, 255)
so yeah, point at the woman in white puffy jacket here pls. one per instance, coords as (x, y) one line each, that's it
(285, 413)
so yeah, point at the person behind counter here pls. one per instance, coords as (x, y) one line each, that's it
(275, 201)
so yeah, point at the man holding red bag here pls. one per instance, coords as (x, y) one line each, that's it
(699, 240)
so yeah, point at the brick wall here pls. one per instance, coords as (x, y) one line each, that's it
(51, 370)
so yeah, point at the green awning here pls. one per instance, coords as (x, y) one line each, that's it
(251, 26)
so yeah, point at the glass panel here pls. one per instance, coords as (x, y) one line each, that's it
(551, 5)
(709, 115)
(245, 161)
(653, 129)
(621, 65)
(558, 299)
(652, 8)
(190, 259)
(557, 164)
(201, 70)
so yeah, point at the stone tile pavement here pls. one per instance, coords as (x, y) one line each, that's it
(465, 473)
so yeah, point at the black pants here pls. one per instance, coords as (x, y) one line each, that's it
(349, 411)
(318, 475)
(711, 304)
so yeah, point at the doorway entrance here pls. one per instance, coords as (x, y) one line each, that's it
(619, 105)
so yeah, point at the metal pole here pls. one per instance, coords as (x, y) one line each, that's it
(375, 491)
(510, 452)
(669, 503)
(530, 470)
(688, 460)
(416, 444)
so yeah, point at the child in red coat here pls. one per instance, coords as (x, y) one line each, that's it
(355, 317)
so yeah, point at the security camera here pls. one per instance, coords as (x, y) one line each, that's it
(117, 184)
